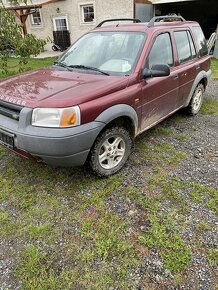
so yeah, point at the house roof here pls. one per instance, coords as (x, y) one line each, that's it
(168, 1)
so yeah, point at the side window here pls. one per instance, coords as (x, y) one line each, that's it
(193, 51)
(161, 51)
(183, 46)
(201, 41)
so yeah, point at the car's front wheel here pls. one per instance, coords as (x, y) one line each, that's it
(110, 151)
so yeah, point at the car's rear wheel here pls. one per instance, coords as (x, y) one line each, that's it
(196, 101)
(110, 151)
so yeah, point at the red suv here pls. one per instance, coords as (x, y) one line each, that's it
(114, 83)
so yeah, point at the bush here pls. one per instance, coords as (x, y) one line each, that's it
(11, 34)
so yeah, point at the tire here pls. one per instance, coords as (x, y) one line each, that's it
(196, 101)
(54, 48)
(110, 151)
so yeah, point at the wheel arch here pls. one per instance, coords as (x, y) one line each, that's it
(120, 115)
(201, 78)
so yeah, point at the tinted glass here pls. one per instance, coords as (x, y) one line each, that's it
(201, 41)
(161, 52)
(183, 46)
(193, 51)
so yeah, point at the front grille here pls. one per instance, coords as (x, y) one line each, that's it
(10, 110)
(6, 139)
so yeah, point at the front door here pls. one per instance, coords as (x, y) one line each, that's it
(159, 94)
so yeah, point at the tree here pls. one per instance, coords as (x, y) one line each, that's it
(12, 37)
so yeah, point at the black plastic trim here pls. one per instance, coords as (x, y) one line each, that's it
(135, 20)
(9, 113)
(6, 139)
(10, 110)
(10, 106)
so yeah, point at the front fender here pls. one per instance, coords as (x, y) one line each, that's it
(116, 111)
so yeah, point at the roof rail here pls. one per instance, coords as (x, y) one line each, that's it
(118, 19)
(153, 20)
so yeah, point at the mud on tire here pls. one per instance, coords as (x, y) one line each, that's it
(196, 101)
(110, 151)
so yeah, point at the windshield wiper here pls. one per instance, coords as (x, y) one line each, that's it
(62, 64)
(89, 68)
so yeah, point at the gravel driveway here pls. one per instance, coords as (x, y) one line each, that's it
(200, 166)
(177, 160)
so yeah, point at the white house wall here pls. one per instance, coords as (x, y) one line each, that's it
(104, 9)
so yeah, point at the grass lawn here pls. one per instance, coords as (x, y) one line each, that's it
(72, 230)
(33, 63)
(214, 68)
(67, 229)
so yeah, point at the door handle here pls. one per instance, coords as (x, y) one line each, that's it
(175, 77)
(197, 66)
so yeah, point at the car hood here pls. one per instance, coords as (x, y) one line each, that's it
(57, 87)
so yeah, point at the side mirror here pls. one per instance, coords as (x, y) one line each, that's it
(157, 70)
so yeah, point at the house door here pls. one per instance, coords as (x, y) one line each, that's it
(61, 33)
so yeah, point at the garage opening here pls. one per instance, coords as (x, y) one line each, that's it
(203, 11)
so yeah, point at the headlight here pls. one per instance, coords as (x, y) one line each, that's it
(55, 117)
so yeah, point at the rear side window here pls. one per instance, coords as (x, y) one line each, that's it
(201, 41)
(183, 46)
(193, 51)
(161, 51)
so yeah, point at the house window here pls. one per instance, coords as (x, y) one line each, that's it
(87, 12)
(60, 23)
(36, 18)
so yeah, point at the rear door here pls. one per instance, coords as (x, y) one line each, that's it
(203, 57)
(187, 64)
(159, 94)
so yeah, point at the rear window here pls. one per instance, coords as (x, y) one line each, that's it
(201, 41)
(185, 46)
(193, 51)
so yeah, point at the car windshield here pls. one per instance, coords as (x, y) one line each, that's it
(114, 53)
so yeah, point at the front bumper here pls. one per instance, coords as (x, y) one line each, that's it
(55, 146)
